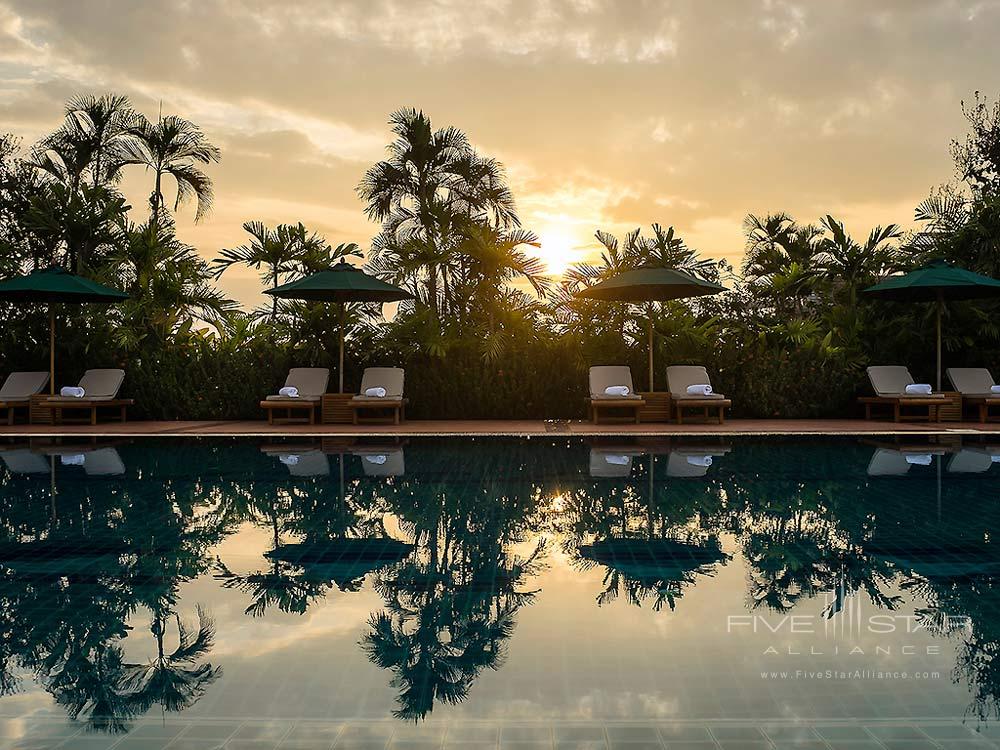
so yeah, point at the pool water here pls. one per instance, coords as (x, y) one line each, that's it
(720, 592)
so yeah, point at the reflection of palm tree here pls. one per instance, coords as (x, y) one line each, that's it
(437, 637)
(281, 586)
(173, 680)
(450, 611)
(87, 683)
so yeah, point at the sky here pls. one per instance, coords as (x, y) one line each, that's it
(608, 115)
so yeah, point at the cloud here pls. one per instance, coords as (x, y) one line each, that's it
(609, 115)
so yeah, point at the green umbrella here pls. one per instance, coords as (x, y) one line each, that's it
(938, 282)
(342, 284)
(650, 284)
(51, 286)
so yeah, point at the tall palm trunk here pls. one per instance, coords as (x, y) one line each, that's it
(274, 285)
(155, 198)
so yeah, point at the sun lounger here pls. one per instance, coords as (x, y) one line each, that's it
(311, 383)
(18, 389)
(889, 383)
(680, 378)
(603, 377)
(390, 378)
(101, 392)
(975, 384)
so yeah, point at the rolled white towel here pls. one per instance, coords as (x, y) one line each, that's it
(995, 389)
(377, 459)
(699, 460)
(73, 459)
(617, 390)
(702, 389)
(616, 460)
(288, 459)
(377, 392)
(918, 389)
(72, 391)
(289, 391)
(919, 459)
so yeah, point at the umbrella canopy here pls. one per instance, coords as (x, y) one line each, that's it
(938, 282)
(342, 284)
(650, 284)
(56, 285)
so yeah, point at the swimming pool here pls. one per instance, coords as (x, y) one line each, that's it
(551, 592)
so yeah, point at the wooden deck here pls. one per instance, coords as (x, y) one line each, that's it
(509, 427)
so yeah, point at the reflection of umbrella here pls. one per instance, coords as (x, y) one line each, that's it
(654, 559)
(342, 284)
(53, 285)
(938, 282)
(344, 561)
(944, 560)
(650, 284)
(654, 565)
(58, 557)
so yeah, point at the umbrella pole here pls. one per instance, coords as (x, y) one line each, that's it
(52, 349)
(940, 305)
(650, 348)
(341, 366)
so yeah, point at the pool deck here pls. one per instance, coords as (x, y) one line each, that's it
(507, 427)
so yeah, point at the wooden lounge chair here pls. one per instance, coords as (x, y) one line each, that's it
(976, 386)
(100, 392)
(390, 378)
(680, 378)
(18, 389)
(311, 383)
(889, 383)
(606, 376)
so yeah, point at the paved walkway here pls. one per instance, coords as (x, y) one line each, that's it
(510, 427)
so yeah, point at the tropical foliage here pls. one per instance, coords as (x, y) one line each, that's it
(488, 332)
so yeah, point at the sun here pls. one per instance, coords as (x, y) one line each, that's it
(557, 249)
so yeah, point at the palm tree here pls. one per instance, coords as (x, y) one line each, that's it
(848, 264)
(169, 284)
(174, 147)
(91, 143)
(280, 252)
(102, 123)
(782, 255)
(430, 178)
(494, 258)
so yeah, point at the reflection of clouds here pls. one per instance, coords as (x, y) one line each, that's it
(624, 704)
(242, 637)
(25, 712)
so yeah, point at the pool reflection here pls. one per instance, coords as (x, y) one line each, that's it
(453, 542)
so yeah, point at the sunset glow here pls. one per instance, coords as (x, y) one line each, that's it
(559, 248)
(778, 124)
